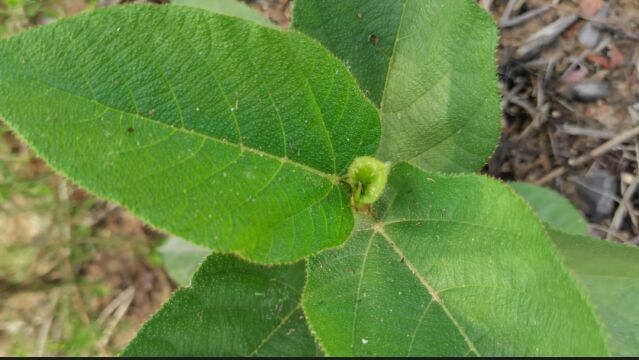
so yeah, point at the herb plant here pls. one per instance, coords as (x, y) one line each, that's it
(328, 167)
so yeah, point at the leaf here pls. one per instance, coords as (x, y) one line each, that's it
(220, 131)
(233, 308)
(454, 266)
(553, 208)
(182, 258)
(227, 7)
(610, 274)
(428, 64)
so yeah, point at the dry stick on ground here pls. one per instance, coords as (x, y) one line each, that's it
(119, 306)
(598, 151)
(605, 147)
(566, 105)
(579, 131)
(508, 12)
(510, 93)
(538, 120)
(623, 208)
(605, 230)
(518, 20)
(543, 108)
(46, 324)
(604, 25)
(553, 142)
(527, 106)
(545, 36)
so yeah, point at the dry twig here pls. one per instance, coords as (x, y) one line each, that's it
(598, 151)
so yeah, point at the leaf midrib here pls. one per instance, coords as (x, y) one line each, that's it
(446, 221)
(272, 333)
(333, 178)
(392, 57)
(435, 296)
(388, 72)
(316, 104)
(359, 289)
(384, 96)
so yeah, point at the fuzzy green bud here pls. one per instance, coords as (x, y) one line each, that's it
(367, 176)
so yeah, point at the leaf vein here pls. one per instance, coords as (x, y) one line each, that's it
(275, 330)
(187, 131)
(430, 289)
(419, 323)
(359, 289)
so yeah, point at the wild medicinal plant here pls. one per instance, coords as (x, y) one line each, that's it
(329, 168)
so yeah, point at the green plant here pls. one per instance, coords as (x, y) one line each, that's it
(239, 137)
(606, 271)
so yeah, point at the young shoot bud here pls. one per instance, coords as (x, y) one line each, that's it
(367, 177)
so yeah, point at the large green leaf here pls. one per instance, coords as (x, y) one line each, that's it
(227, 7)
(223, 132)
(428, 64)
(453, 266)
(610, 275)
(553, 208)
(608, 271)
(233, 308)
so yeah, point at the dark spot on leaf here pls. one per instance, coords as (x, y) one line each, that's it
(373, 39)
(130, 130)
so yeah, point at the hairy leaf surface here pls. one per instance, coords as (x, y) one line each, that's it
(430, 67)
(227, 7)
(610, 274)
(553, 208)
(233, 308)
(221, 131)
(453, 266)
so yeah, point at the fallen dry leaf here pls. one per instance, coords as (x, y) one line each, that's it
(616, 56)
(600, 60)
(590, 7)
